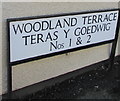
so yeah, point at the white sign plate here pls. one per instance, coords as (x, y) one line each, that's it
(35, 37)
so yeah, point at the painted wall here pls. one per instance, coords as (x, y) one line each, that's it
(36, 71)
(118, 47)
(0, 48)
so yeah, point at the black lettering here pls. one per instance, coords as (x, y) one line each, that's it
(100, 18)
(108, 26)
(97, 28)
(55, 34)
(73, 21)
(28, 28)
(26, 39)
(101, 27)
(89, 37)
(33, 38)
(51, 27)
(18, 28)
(66, 33)
(45, 25)
(39, 38)
(84, 19)
(79, 41)
(106, 18)
(110, 16)
(114, 16)
(36, 26)
(89, 19)
(94, 20)
(88, 29)
(93, 28)
(77, 32)
(53, 45)
(48, 37)
(70, 44)
(83, 30)
(66, 22)
(104, 26)
(58, 24)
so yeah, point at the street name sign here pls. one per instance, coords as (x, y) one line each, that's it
(32, 38)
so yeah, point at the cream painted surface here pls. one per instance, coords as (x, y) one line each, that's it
(61, 0)
(36, 71)
(119, 34)
(50, 67)
(0, 48)
(118, 44)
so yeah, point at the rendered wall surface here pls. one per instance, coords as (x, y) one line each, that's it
(33, 72)
(119, 35)
(0, 48)
(118, 46)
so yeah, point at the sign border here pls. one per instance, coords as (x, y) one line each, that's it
(9, 69)
(59, 52)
